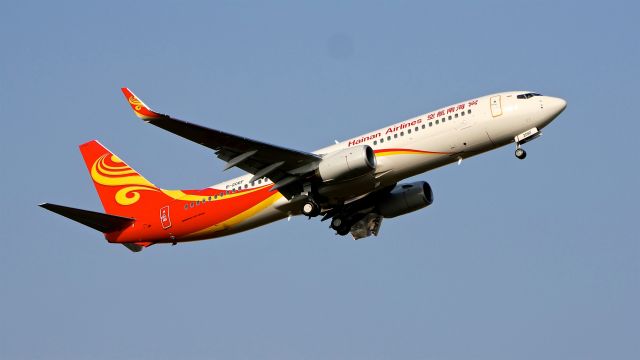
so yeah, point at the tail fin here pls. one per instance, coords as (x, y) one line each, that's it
(121, 189)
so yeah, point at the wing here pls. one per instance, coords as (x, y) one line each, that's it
(281, 165)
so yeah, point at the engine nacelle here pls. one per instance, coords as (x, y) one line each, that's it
(347, 163)
(405, 198)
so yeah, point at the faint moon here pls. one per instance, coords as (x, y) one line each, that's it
(340, 46)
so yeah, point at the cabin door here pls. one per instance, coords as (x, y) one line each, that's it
(496, 106)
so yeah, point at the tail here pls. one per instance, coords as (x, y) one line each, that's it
(121, 189)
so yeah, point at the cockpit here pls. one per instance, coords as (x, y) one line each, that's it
(528, 95)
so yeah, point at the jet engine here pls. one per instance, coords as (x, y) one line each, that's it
(405, 198)
(347, 163)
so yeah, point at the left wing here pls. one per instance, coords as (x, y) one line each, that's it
(281, 165)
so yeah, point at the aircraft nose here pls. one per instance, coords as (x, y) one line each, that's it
(557, 105)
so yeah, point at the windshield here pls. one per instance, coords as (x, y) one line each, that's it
(527, 95)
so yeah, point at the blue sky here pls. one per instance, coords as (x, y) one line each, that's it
(515, 259)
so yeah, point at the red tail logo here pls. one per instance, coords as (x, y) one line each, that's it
(121, 189)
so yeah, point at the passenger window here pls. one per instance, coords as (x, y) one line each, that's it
(409, 131)
(469, 111)
(186, 206)
(375, 142)
(449, 118)
(430, 124)
(395, 136)
(424, 125)
(389, 138)
(456, 115)
(462, 113)
(381, 140)
(443, 120)
(416, 129)
(438, 121)
(209, 198)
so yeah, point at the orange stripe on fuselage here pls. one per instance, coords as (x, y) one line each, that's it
(400, 151)
(231, 221)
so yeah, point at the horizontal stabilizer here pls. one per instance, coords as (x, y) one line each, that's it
(102, 222)
(133, 247)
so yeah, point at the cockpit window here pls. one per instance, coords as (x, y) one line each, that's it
(528, 95)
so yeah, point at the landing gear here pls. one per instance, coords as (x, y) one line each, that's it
(524, 138)
(340, 225)
(310, 208)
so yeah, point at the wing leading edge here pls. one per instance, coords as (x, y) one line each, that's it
(281, 165)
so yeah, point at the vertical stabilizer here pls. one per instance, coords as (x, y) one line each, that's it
(122, 190)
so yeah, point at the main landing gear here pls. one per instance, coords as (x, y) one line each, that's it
(340, 225)
(310, 208)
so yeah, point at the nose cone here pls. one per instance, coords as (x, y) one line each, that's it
(556, 105)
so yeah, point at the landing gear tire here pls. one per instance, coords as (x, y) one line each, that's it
(520, 153)
(341, 226)
(310, 208)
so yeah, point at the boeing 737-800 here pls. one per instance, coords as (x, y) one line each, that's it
(354, 183)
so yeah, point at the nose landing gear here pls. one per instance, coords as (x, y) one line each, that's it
(520, 153)
(523, 138)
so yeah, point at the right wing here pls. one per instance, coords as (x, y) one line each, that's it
(281, 165)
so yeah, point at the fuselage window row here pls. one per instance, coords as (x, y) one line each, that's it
(424, 126)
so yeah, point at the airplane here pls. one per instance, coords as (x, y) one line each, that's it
(355, 183)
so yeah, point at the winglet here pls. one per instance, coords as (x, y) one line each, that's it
(139, 108)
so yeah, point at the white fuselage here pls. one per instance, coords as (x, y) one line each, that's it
(429, 141)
